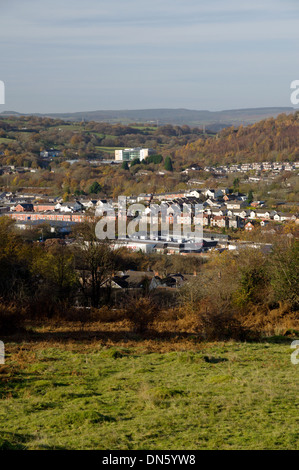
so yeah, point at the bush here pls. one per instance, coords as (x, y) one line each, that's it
(285, 273)
(141, 313)
(44, 306)
(11, 319)
(87, 315)
(219, 326)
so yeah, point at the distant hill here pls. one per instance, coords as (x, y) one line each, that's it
(213, 120)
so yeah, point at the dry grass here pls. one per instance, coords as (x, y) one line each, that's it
(175, 329)
(272, 321)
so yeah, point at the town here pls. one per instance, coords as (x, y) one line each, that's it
(223, 212)
(149, 228)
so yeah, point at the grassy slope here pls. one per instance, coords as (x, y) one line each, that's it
(100, 398)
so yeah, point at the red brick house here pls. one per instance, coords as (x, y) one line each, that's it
(249, 226)
(24, 207)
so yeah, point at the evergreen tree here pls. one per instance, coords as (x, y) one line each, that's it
(156, 159)
(95, 188)
(236, 184)
(168, 164)
(136, 161)
(250, 197)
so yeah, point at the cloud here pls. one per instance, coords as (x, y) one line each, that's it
(52, 48)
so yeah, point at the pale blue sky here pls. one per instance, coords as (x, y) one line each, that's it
(70, 55)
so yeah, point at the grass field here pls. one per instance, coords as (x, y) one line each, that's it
(145, 395)
(109, 149)
(4, 140)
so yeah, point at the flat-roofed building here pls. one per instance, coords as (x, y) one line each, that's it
(128, 155)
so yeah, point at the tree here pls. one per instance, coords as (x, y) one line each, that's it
(236, 184)
(156, 159)
(55, 265)
(96, 262)
(95, 188)
(125, 165)
(252, 285)
(285, 273)
(168, 164)
(15, 276)
(250, 197)
(141, 313)
(136, 161)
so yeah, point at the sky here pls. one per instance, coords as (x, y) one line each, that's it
(74, 55)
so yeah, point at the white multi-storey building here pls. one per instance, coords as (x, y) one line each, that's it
(128, 155)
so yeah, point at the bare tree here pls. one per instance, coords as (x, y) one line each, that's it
(96, 263)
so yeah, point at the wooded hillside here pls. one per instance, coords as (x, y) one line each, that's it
(270, 139)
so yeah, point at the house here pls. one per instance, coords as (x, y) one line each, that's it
(281, 217)
(240, 213)
(210, 203)
(89, 204)
(69, 206)
(194, 167)
(235, 204)
(257, 166)
(236, 222)
(50, 153)
(261, 214)
(170, 281)
(210, 193)
(144, 197)
(44, 207)
(194, 181)
(208, 245)
(195, 193)
(116, 282)
(249, 226)
(131, 199)
(58, 227)
(24, 207)
(219, 221)
(257, 203)
(222, 211)
(169, 196)
(202, 220)
(161, 248)
(246, 167)
(254, 179)
(143, 173)
(129, 280)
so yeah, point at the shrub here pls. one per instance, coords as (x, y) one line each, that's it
(214, 323)
(104, 314)
(141, 313)
(285, 273)
(219, 326)
(11, 319)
